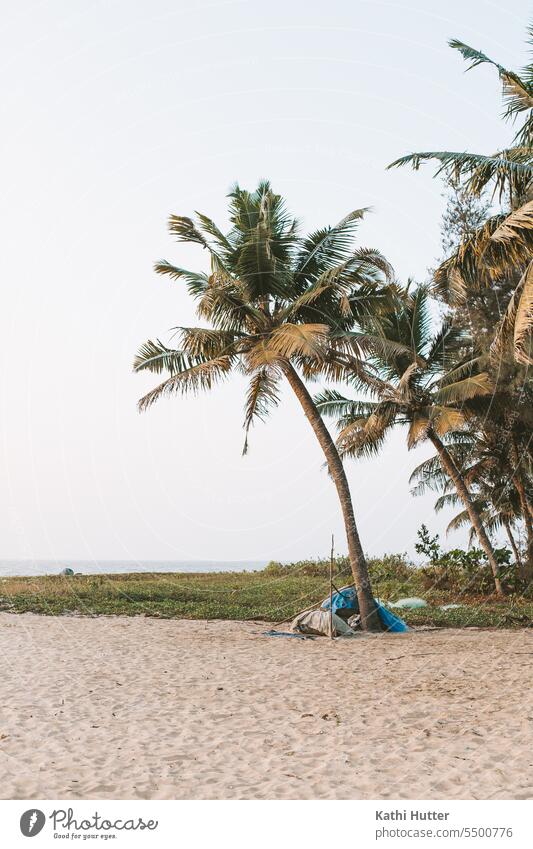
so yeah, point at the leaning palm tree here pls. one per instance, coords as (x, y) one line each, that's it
(497, 510)
(498, 254)
(277, 306)
(427, 389)
(489, 476)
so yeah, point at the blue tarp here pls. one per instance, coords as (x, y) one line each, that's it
(347, 600)
(389, 620)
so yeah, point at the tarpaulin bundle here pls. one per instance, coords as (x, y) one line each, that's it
(346, 599)
(319, 622)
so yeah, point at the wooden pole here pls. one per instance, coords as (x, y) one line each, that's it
(331, 586)
(313, 606)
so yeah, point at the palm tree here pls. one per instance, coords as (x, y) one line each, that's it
(489, 477)
(502, 448)
(499, 253)
(277, 305)
(427, 388)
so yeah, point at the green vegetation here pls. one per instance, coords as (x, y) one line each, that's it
(280, 590)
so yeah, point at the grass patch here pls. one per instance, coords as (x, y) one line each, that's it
(270, 595)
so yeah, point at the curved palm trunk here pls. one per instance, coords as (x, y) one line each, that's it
(518, 559)
(526, 509)
(526, 514)
(367, 607)
(463, 493)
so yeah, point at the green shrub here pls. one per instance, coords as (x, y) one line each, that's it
(312, 568)
(463, 571)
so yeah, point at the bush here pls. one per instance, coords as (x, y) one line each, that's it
(390, 568)
(446, 574)
(463, 571)
(313, 568)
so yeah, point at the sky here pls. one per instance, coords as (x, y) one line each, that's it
(120, 112)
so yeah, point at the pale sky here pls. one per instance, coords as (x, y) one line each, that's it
(118, 113)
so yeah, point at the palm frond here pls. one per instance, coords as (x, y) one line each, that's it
(261, 397)
(196, 283)
(418, 428)
(228, 309)
(515, 90)
(444, 345)
(356, 343)
(421, 319)
(515, 160)
(446, 419)
(511, 167)
(476, 57)
(186, 231)
(156, 357)
(207, 342)
(523, 325)
(404, 383)
(201, 376)
(365, 436)
(461, 520)
(463, 369)
(326, 248)
(517, 224)
(462, 390)
(309, 340)
(332, 403)
(426, 470)
(517, 323)
(210, 228)
(480, 260)
(450, 499)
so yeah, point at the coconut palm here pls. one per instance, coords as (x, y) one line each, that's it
(497, 508)
(489, 475)
(502, 449)
(498, 254)
(277, 305)
(427, 389)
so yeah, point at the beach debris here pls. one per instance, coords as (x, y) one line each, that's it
(409, 603)
(514, 618)
(320, 623)
(273, 633)
(344, 603)
(345, 622)
(331, 717)
(450, 606)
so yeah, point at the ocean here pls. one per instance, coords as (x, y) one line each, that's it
(9, 568)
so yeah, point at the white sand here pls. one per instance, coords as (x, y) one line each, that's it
(144, 708)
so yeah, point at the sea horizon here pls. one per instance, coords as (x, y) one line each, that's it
(19, 567)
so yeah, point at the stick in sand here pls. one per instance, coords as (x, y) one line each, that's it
(331, 587)
(313, 606)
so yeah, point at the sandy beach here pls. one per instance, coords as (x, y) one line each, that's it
(145, 708)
